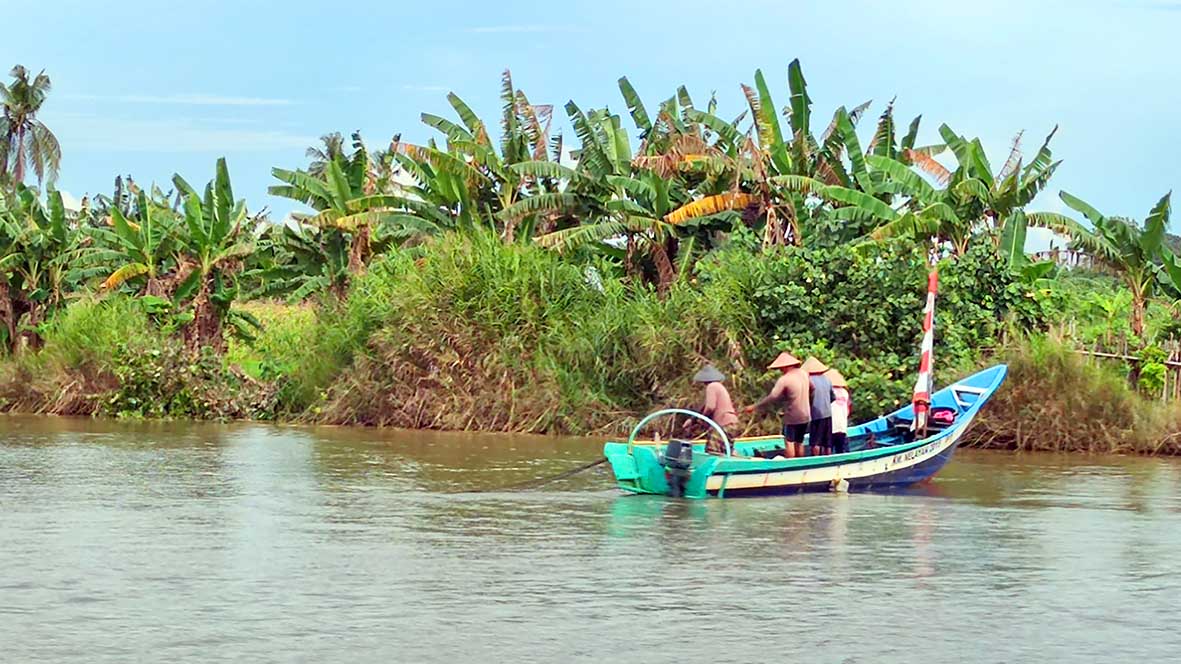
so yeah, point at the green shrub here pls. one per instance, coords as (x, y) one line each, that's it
(1152, 373)
(167, 380)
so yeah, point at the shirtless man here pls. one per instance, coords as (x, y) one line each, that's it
(793, 391)
(718, 407)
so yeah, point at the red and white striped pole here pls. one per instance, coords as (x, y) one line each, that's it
(924, 384)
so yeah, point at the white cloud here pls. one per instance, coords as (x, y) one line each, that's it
(187, 100)
(493, 29)
(121, 135)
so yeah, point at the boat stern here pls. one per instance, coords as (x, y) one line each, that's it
(640, 468)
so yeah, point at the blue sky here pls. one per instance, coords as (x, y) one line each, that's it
(152, 88)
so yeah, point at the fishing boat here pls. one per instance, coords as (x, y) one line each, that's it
(884, 453)
(902, 448)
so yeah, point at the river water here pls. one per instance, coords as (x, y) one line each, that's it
(253, 543)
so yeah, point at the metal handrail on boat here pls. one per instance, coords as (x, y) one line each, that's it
(678, 411)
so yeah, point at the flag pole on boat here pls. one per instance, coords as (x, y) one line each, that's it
(924, 385)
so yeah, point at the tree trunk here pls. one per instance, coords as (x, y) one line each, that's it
(793, 227)
(339, 289)
(1138, 315)
(629, 257)
(205, 328)
(665, 273)
(359, 251)
(1138, 333)
(29, 337)
(772, 234)
(7, 317)
(18, 156)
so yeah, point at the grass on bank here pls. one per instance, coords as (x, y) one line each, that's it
(1057, 400)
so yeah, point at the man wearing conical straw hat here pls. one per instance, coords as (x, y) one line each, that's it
(718, 406)
(791, 390)
(820, 427)
(842, 405)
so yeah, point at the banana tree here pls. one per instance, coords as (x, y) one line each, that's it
(39, 266)
(211, 247)
(483, 179)
(964, 203)
(299, 260)
(634, 209)
(140, 249)
(1138, 255)
(608, 196)
(345, 204)
(764, 153)
(793, 179)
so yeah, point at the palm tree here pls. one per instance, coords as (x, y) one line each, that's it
(333, 147)
(24, 140)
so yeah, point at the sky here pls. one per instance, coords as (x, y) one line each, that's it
(152, 88)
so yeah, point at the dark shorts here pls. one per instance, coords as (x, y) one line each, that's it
(820, 433)
(794, 433)
(840, 443)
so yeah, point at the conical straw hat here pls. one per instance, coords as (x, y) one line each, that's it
(708, 374)
(836, 378)
(784, 361)
(814, 366)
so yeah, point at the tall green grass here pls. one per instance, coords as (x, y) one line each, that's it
(1057, 400)
(74, 370)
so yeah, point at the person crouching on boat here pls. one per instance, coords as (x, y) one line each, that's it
(820, 427)
(842, 405)
(791, 390)
(718, 407)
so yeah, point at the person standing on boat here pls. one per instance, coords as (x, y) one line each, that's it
(820, 427)
(718, 407)
(842, 405)
(792, 391)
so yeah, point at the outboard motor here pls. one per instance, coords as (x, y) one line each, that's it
(678, 462)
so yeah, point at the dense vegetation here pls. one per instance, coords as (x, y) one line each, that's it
(524, 285)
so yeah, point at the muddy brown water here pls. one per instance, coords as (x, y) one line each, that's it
(184, 542)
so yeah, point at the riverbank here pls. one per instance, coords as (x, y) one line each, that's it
(471, 334)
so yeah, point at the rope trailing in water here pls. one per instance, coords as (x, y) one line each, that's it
(533, 484)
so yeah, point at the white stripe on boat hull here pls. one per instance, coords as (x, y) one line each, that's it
(828, 474)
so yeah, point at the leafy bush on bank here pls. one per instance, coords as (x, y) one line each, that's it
(110, 357)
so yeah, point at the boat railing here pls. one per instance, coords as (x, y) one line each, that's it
(679, 411)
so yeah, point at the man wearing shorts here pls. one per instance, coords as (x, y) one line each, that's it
(793, 391)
